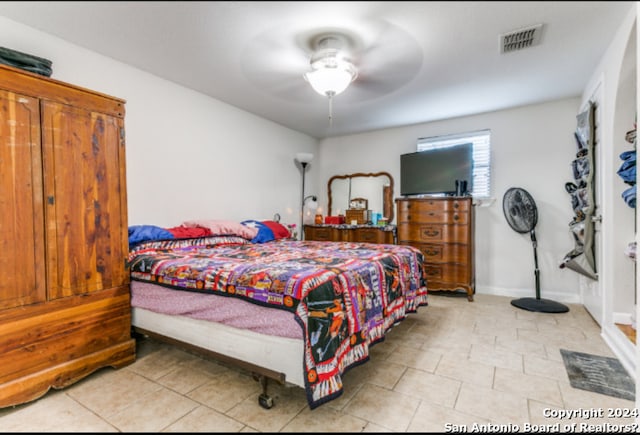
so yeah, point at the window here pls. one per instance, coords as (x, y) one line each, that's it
(481, 156)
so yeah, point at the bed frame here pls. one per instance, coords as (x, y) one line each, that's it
(283, 359)
(267, 357)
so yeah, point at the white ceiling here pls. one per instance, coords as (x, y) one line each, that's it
(418, 61)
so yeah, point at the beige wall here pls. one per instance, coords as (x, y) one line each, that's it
(531, 147)
(188, 156)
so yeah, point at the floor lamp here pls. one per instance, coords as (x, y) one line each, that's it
(304, 159)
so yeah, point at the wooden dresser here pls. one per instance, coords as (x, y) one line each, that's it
(351, 233)
(442, 228)
(64, 283)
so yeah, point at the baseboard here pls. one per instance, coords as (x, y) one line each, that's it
(622, 318)
(622, 347)
(528, 293)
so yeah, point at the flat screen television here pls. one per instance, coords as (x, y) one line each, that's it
(434, 172)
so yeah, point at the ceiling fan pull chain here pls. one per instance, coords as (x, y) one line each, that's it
(330, 110)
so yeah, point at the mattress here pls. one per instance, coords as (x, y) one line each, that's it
(233, 312)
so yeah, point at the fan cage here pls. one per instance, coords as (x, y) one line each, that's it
(520, 210)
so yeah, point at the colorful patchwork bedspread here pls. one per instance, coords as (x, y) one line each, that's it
(346, 296)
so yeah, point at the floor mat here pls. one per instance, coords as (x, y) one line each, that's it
(598, 374)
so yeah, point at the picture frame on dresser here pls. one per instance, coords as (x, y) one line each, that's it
(359, 204)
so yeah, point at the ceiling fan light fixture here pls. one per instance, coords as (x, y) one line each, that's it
(331, 76)
(331, 68)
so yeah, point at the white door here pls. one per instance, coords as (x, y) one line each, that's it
(591, 290)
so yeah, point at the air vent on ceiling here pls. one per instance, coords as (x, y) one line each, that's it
(519, 39)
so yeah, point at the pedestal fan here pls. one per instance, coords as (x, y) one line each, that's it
(522, 215)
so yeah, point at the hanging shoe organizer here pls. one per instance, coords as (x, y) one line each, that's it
(581, 258)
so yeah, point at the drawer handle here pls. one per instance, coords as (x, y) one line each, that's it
(431, 252)
(456, 217)
(431, 233)
(456, 205)
(432, 272)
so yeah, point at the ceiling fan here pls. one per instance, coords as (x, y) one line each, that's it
(380, 59)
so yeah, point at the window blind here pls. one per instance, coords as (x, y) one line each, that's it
(481, 141)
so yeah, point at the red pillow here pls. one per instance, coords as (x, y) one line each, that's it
(189, 232)
(279, 230)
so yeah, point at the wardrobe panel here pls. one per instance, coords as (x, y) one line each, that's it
(21, 219)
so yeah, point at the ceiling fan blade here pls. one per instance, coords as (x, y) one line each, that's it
(390, 60)
(275, 64)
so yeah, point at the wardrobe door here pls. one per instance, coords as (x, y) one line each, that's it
(85, 199)
(22, 267)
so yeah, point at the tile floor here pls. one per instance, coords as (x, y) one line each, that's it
(455, 365)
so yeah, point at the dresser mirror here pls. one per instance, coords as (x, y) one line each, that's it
(376, 188)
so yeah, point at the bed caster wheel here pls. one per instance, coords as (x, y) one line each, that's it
(265, 401)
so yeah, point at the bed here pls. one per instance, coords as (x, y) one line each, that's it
(298, 312)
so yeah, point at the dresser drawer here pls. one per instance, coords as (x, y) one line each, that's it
(425, 205)
(426, 233)
(373, 235)
(444, 253)
(320, 234)
(435, 217)
(446, 273)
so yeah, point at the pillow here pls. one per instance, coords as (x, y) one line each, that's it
(189, 232)
(222, 227)
(264, 232)
(279, 230)
(142, 233)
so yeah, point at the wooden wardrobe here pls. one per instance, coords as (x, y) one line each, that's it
(64, 282)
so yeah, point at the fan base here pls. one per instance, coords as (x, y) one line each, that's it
(540, 305)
